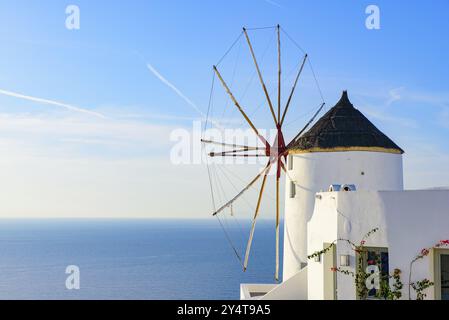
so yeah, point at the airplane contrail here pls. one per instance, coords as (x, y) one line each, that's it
(179, 93)
(51, 102)
(274, 3)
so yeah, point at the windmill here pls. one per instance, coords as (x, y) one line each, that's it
(275, 153)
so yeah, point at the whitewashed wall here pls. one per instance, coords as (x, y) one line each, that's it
(315, 172)
(408, 222)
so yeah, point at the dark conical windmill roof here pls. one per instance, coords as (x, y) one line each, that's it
(344, 128)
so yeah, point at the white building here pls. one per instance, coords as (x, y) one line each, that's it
(345, 178)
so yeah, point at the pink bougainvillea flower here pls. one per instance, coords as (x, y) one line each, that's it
(362, 242)
(444, 242)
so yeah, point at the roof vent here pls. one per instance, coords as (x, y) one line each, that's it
(348, 187)
(339, 187)
(334, 187)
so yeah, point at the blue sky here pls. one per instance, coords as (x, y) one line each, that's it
(70, 163)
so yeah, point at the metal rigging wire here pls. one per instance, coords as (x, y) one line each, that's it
(227, 236)
(308, 61)
(229, 50)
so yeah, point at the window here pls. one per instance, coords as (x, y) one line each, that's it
(375, 259)
(441, 273)
(290, 162)
(292, 189)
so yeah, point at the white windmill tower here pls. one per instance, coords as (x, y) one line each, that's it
(342, 148)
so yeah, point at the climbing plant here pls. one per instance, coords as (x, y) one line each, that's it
(386, 291)
(420, 286)
(361, 276)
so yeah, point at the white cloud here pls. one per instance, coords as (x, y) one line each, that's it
(46, 127)
(385, 117)
(444, 117)
(433, 99)
(51, 168)
(94, 188)
(395, 95)
(382, 112)
(425, 166)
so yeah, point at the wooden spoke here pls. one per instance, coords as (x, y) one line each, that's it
(230, 202)
(235, 155)
(230, 145)
(293, 89)
(235, 152)
(308, 124)
(256, 213)
(265, 142)
(279, 72)
(283, 167)
(260, 76)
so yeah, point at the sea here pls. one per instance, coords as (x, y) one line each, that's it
(131, 259)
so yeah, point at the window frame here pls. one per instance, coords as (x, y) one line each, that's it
(377, 250)
(292, 190)
(290, 162)
(436, 267)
